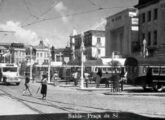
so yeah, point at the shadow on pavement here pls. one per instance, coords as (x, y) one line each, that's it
(143, 91)
(80, 116)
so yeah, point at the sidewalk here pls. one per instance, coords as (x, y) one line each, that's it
(127, 89)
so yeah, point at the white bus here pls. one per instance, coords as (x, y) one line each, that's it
(9, 73)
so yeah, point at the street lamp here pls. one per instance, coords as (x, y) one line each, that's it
(82, 65)
(31, 63)
(49, 63)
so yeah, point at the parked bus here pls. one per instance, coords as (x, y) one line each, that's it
(148, 73)
(9, 73)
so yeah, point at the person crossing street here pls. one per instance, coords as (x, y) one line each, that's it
(26, 90)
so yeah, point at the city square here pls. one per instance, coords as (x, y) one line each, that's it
(82, 60)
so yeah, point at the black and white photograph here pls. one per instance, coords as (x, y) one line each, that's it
(82, 59)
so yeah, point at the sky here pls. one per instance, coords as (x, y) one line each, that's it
(53, 21)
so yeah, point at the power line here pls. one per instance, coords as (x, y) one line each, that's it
(94, 4)
(69, 15)
(49, 9)
(39, 17)
(28, 8)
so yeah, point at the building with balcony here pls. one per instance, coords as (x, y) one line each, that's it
(121, 33)
(94, 43)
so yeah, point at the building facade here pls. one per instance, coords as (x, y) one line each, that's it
(122, 32)
(18, 52)
(151, 23)
(94, 43)
(42, 53)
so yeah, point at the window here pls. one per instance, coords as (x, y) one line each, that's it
(155, 37)
(37, 54)
(149, 38)
(162, 71)
(99, 40)
(149, 16)
(155, 71)
(98, 51)
(40, 54)
(155, 14)
(143, 18)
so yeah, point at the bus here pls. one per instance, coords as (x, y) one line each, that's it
(148, 73)
(9, 73)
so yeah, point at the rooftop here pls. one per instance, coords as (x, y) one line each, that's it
(144, 3)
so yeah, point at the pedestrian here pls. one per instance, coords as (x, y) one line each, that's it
(116, 78)
(75, 77)
(107, 77)
(122, 76)
(27, 85)
(86, 76)
(98, 78)
(0, 75)
(55, 76)
(44, 86)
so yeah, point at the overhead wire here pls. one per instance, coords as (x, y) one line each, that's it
(39, 17)
(28, 9)
(69, 15)
(49, 9)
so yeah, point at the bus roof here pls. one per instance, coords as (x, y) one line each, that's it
(8, 65)
(153, 61)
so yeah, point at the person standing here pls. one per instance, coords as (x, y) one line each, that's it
(0, 75)
(44, 86)
(75, 77)
(27, 85)
(86, 76)
(55, 76)
(98, 78)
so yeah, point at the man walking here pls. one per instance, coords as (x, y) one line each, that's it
(27, 91)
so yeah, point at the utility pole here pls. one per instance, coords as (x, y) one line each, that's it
(30, 63)
(82, 64)
(49, 63)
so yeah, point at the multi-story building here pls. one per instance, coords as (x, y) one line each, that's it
(151, 23)
(3, 53)
(72, 44)
(42, 53)
(12, 52)
(94, 43)
(59, 55)
(18, 52)
(122, 32)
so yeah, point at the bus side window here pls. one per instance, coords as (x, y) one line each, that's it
(162, 71)
(104, 69)
(109, 70)
(155, 71)
(144, 69)
(96, 69)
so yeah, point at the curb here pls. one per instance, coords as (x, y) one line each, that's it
(136, 94)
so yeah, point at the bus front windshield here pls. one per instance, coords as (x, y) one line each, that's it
(9, 69)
